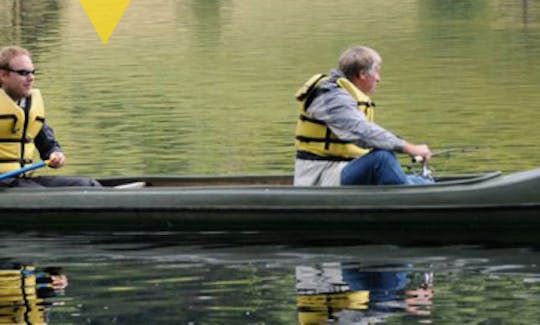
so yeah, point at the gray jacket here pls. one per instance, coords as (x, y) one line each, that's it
(339, 111)
(335, 107)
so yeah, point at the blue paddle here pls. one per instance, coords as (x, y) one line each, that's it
(25, 169)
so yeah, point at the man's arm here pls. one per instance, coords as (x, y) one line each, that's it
(340, 112)
(48, 147)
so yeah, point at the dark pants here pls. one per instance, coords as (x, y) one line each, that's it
(49, 181)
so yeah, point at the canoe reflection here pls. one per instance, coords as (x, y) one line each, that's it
(348, 293)
(24, 291)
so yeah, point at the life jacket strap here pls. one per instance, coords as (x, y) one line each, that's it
(304, 155)
(22, 161)
(312, 120)
(325, 140)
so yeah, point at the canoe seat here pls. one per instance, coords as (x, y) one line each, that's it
(131, 185)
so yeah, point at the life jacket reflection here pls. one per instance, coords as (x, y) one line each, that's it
(19, 301)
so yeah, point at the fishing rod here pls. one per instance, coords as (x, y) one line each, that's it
(426, 172)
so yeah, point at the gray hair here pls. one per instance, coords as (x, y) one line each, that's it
(7, 53)
(359, 59)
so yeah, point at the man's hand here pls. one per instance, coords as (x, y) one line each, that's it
(417, 150)
(57, 159)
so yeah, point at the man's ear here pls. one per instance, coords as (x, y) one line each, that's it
(362, 75)
(3, 75)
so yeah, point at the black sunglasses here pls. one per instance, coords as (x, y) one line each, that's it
(22, 72)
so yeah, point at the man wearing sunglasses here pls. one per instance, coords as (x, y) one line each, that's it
(23, 127)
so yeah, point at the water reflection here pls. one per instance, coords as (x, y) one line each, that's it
(29, 22)
(218, 278)
(206, 22)
(26, 292)
(350, 293)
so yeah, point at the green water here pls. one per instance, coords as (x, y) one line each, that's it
(206, 87)
(219, 278)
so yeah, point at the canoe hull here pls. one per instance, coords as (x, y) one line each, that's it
(484, 209)
(482, 225)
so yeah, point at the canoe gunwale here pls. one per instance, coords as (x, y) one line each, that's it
(266, 181)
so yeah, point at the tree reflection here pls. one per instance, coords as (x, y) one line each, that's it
(27, 22)
(208, 19)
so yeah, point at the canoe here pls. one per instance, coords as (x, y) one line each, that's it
(456, 203)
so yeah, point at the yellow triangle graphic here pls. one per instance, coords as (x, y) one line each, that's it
(105, 15)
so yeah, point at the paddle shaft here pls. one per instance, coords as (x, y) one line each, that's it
(25, 169)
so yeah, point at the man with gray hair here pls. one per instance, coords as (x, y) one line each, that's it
(337, 141)
(23, 127)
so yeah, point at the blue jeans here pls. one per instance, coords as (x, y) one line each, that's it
(379, 167)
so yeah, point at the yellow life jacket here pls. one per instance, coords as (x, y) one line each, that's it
(315, 309)
(18, 129)
(314, 137)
